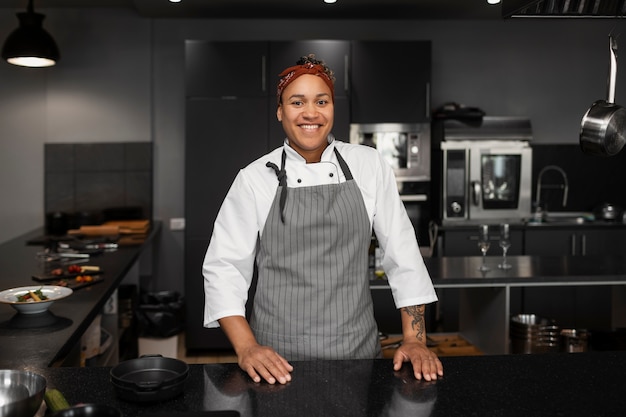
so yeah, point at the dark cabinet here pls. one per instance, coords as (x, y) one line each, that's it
(575, 241)
(226, 128)
(226, 69)
(390, 81)
(222, 136)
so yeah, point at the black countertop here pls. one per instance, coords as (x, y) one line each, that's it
(575, 384)
(45, 339)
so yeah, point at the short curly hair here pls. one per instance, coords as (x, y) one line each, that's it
(310, 58)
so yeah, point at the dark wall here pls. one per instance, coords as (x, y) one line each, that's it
(592, 180)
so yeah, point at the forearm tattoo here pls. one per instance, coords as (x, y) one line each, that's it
(417, 320)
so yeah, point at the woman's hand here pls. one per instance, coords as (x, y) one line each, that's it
(263, 362)
(413, 349)
(260, 362)
(425, 363)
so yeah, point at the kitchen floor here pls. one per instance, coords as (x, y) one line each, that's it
(203, 357)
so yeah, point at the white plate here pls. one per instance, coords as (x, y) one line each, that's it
(53, 293)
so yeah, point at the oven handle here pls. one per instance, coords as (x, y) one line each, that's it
(414, 197)
(475, 190)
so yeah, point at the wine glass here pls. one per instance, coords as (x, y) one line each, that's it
(505, 244)
(483, 245)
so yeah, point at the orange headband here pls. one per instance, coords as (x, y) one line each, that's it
(291, 73)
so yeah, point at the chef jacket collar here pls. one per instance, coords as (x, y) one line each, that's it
(292, 155)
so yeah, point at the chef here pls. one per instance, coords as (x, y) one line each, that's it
(305, 213)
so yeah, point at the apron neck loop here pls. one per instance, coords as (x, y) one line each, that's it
(344, 166)
(281, 174)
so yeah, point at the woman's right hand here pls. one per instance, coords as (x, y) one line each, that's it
(263, 362)
(260, 362)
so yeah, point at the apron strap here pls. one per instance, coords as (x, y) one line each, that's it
(281, 174)
(344, 166)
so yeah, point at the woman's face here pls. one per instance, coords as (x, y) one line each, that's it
(307, 113)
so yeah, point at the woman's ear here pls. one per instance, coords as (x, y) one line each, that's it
(279, 113)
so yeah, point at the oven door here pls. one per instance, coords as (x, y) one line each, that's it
(499, 182)
(416, 199)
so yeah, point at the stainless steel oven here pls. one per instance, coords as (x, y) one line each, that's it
(406, 147)
(487, 169)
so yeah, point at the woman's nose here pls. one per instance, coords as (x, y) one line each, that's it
(310, 110)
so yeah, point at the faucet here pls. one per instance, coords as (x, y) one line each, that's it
(564, 186)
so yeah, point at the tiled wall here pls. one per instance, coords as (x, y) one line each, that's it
(90, 177)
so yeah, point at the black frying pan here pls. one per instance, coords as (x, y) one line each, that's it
(602, 128)
(149, 378)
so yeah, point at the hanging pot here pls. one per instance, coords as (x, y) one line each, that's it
(602, 131)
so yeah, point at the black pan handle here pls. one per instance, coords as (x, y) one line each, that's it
(148, 385)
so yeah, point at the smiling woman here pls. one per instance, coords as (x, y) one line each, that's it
(305, 213)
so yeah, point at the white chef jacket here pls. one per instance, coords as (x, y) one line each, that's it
(229, 260)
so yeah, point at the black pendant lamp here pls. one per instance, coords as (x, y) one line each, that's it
(30, 45)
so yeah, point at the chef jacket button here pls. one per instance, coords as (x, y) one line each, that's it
(299, 180)
(331, 175)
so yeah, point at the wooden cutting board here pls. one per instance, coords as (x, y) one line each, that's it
(114, 228)
(130, 226)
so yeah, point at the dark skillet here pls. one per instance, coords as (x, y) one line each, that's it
(149, 378)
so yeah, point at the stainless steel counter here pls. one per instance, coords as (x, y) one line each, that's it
(485, 297)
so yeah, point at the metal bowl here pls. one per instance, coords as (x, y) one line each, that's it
(21, 393)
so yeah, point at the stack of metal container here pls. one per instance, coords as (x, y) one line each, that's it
(533, 334)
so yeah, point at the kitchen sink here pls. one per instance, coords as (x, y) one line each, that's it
(563, 218)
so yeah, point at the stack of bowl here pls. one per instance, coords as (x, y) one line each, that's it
(533, 334)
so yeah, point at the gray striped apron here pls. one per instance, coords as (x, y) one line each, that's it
(312, 298)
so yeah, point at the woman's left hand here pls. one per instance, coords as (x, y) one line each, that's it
(425, 363)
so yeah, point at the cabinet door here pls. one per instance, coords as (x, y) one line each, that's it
(390, 81)
(226, 69)
(336, 55)
(550, 242)
(223, 136)
(465, 243)
(603, 241)
(577, 241)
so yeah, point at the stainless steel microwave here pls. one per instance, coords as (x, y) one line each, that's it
(405, 146)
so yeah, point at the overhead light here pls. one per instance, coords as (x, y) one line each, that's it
(30, 45)
(493, 1)
(330, 1)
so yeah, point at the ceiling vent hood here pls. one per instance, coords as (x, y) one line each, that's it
(564, 8)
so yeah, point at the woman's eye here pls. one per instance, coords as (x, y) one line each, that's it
(322, 102)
